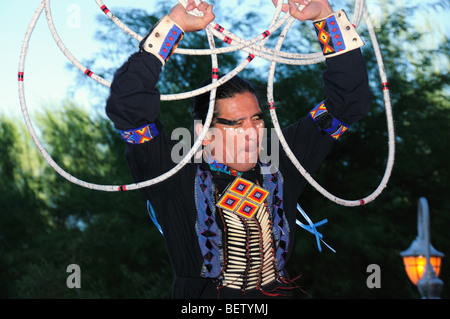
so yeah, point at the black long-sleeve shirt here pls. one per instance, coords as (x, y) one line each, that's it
(134, 101)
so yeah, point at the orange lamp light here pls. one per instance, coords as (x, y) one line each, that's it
(415, 266)
(421, 260)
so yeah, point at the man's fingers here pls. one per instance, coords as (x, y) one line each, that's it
(302, 12)
(209, 12)
(191, 5)
(208, 15)
(306, 9)
(202, 6)
(284, 7)
(293, 10)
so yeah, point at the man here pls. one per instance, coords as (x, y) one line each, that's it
(229, 225)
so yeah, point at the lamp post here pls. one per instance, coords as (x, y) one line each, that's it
(422, 262)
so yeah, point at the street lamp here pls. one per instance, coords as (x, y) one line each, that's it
(423, 262)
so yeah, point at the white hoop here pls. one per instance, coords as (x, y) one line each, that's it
(250, 46)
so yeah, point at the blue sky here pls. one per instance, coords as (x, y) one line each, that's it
(46, 74)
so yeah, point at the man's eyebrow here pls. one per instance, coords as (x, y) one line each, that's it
(227, 122)
(234, 122)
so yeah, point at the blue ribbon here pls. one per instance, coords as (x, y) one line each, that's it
(152, 214)
(312, 228)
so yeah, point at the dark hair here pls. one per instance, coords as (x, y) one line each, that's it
(236, 85)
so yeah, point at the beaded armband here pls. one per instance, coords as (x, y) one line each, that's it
(327, 122)
(163, 39)
(337, 34)
(140, 135)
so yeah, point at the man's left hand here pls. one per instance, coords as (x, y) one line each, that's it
(313, 10)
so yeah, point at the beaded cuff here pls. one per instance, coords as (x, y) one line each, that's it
(336, 34)
(140, 135)
(163, 39)
(327, 122)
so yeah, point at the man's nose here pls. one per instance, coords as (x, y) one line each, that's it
(251, 132)
(250, 124)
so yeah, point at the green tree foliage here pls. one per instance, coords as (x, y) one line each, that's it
(47, 223)
(379, 231)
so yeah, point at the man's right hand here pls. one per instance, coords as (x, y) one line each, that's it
(189, 22)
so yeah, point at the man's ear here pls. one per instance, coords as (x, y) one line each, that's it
(198, 129)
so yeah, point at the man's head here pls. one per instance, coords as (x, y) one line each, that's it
(236, 131)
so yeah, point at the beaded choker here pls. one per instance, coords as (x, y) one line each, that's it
(218, 167)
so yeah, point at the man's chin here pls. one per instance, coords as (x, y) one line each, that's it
(242, 167)
(245, 162)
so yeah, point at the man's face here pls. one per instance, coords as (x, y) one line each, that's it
(238, 132)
